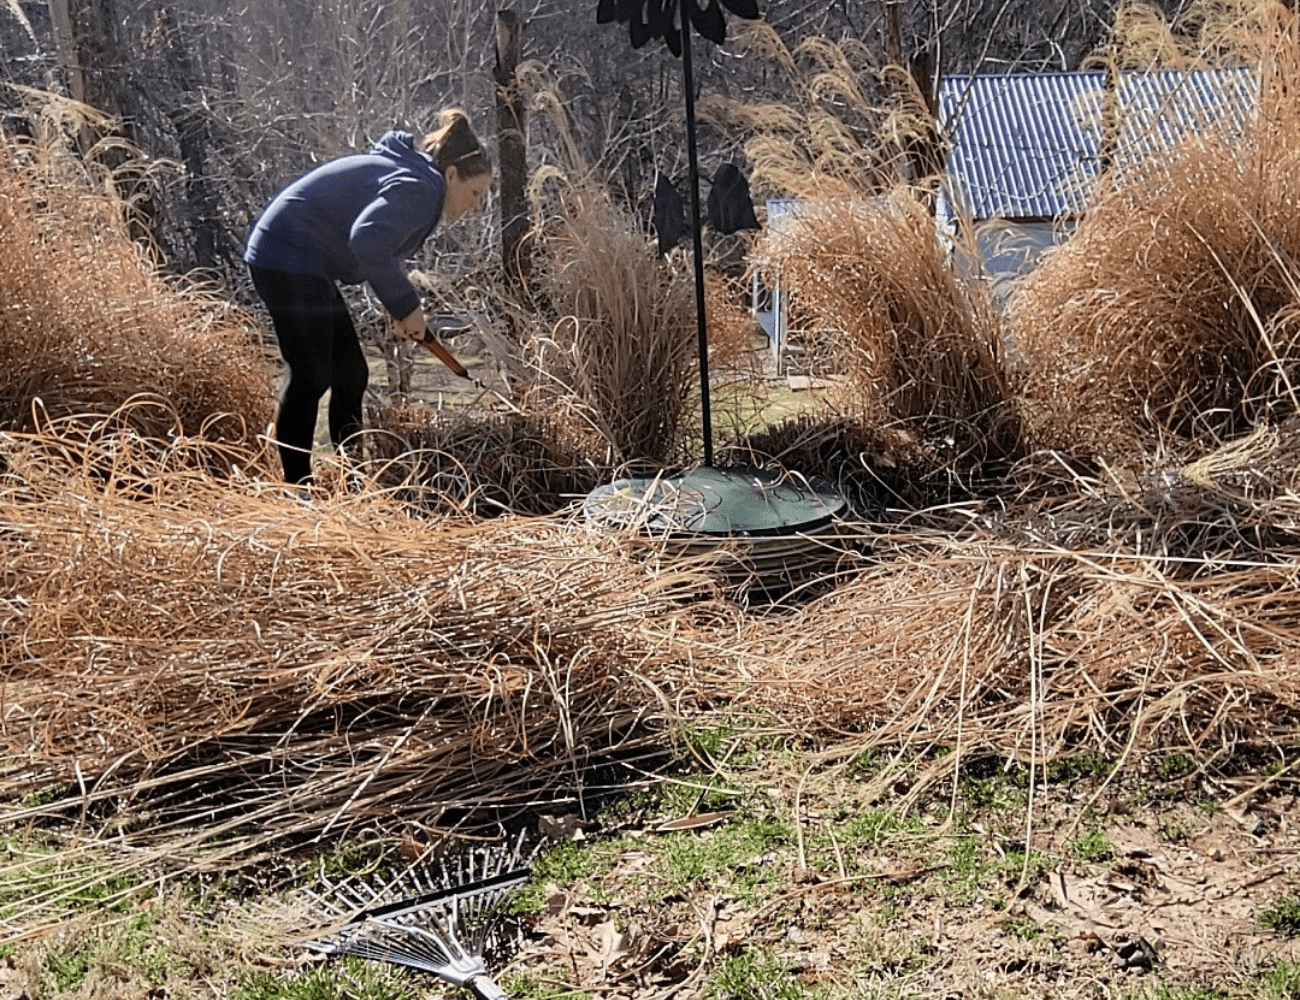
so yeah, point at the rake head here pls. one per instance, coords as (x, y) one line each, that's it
(439, 920)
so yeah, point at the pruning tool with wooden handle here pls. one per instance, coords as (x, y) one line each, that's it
(439, 350)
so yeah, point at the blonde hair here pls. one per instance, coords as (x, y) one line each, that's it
(454, 144)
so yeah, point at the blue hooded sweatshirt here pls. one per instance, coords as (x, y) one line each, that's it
(355, 219)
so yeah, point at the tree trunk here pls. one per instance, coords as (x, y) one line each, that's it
(511, 122)
(185, 109)
(69, 57)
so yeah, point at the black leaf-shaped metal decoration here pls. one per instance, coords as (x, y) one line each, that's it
(672, 20)
(649, 19)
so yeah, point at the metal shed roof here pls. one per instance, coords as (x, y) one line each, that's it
(1029, 145)
(1157, 111)
(1021, 142)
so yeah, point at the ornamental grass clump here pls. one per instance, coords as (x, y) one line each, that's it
(918, 344)
(620, 353)
(87, 321)
(1171, 313)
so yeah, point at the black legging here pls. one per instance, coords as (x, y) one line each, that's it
(319, 344)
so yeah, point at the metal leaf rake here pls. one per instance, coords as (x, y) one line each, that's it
(438, 920)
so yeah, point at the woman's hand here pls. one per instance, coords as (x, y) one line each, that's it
(413, 325)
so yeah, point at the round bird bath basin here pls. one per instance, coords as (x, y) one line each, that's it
(767, 531)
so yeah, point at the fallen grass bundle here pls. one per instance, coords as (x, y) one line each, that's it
(1122, 615)
(197, 674)
(1172, 308)
(86, 320)
(920, 346)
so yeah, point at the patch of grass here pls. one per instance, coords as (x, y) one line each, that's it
(563, 865)
(705, 743)
(874, 827)
(870, 763)
(1176, 831)
(1283, 983)
(754, 975)
(348, 979)
(140, 947)
(1175, 766)
(962, 881)
(1282, 916)
(702, 793)
(73, 885)
(351, 859)
(1022, 928)
(66, 968)
(1092, 846)
(1004, 790)
(527, 987)
(1014, 865)
(972, 874)
(1072, 769)
(735, 853)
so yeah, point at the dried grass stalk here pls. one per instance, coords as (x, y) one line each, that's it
(483, 462)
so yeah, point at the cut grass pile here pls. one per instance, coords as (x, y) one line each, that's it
(1085, 615)
(213, 670)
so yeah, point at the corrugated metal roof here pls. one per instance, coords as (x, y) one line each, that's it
(1029, 145)
(1024, 145)
(1157, 111)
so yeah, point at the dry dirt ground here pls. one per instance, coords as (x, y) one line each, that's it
(1159, 892)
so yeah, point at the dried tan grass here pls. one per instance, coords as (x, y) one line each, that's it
(483, 462)
(832, 135)
(87, 322)
(1202, 35)
(213, 673)
(204, 672)
(1122, 615)
(620, 353)
(873, 466)
(920, 345)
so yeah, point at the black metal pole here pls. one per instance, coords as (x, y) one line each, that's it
(688, 82)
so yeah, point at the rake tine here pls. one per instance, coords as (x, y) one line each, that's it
(441, 929)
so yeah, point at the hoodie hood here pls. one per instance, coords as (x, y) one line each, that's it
(401, 146)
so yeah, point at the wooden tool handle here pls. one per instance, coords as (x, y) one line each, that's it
(440, 352)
